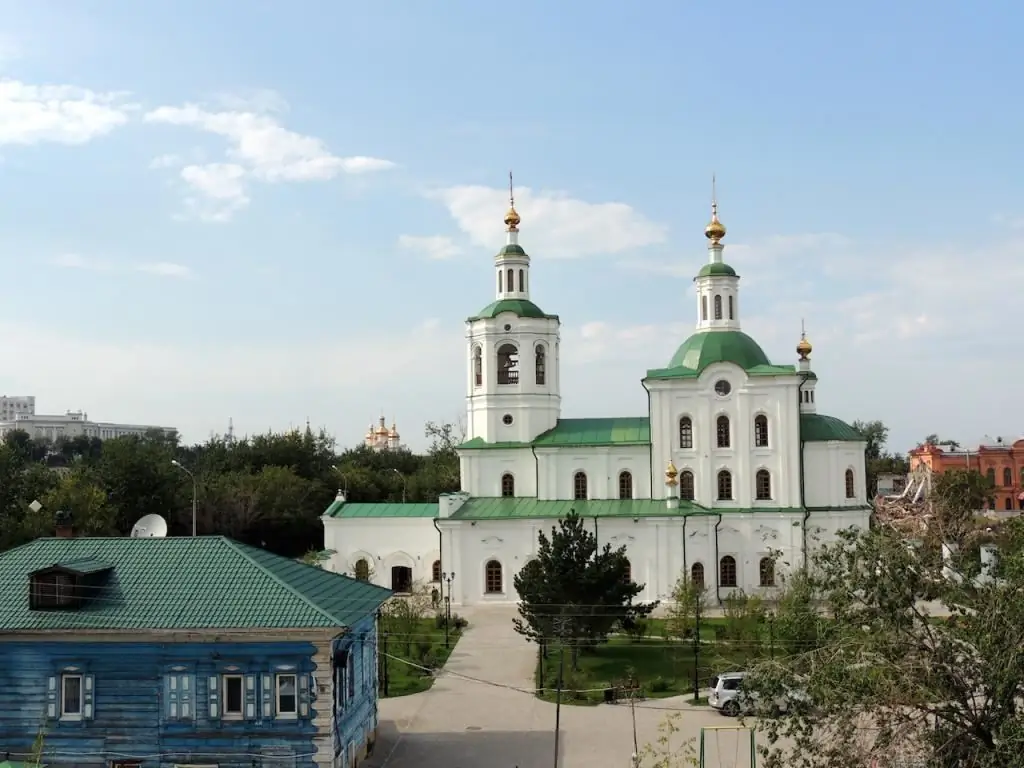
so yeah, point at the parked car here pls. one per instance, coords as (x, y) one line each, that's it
(729, 698)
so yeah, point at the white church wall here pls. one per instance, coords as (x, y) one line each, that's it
(825, 466)
(481, 471)
(384, 542)
(774, 397)
(602, 465)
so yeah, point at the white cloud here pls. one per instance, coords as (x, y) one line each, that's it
(166, 161)
(221, 188)
(166, 269)
(62, 114)
(436, 247)
(77, 261)
(259, 149)
(554, 224)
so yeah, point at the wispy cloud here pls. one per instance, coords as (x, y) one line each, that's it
(158, 268)
(62, 114)
(77, 261)
(167, 269)
(259, 149)
(435, 247)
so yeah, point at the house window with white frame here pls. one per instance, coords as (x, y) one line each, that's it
(234, 697)
(71, 697)
(287, 696)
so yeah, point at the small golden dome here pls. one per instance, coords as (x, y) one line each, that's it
(671, 473)
(512, 219)
(804, 348)
(715, 230)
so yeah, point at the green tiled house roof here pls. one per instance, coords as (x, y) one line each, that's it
(518, 307)
(705, 348)
(816, 427)
(622, 430)
(341, 508)
(207, 582)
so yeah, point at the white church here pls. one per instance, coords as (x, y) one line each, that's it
(733, 462)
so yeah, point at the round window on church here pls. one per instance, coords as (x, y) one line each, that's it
(508, 327)
(722, 387)
(507, 419)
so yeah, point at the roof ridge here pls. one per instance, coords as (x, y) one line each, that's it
(238, 548)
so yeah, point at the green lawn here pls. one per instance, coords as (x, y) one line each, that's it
(661, 667)
(423, 647)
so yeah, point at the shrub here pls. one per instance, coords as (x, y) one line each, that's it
(458, 622)
(659, 685)
(638, 628)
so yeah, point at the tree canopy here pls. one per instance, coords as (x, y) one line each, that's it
(268, 490)
(877, 458)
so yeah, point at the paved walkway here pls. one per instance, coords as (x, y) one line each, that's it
(460, 723)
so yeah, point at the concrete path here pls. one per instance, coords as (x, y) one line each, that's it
(462, 723)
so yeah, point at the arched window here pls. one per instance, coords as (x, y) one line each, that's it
(625, 484)
(722, 428)
(435, 572)
(685, 432)
(703, 307)
(492, 578)
(718, 307)
(725, 485)
(579, 486)
(731, 314)
(851, 488)
(522, 281)
(540, 362)
(500, 273)
(510, 285)
(508, 485)
(990, 475)
(1007, 477)
(697, 575)
(1009, 503)
(362, 569)
(761, 431)
(478, 367)
(727, 571)
(686, 485)
(763, 485)
(766, 569)
(508, 364)
(627, 573)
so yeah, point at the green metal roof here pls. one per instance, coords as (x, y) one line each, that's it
(816, 427)
(386, 509)
(207, 582)
(492, 508)
(85, 566)
(629, 430)
(622, 430)
(518, 307)
(511, 249)
(705, 348)
(716, 269)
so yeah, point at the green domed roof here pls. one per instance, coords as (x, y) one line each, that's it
(518, 307)
(717, 269)
(511, 249)
(707, 347)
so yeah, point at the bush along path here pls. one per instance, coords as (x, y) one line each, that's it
(413, 643)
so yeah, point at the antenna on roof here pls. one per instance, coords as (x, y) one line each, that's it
(150, 527)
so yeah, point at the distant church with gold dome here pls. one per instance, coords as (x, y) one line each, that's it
(730, 474)
(379, 438)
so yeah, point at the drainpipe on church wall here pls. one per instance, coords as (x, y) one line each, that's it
(718, 565)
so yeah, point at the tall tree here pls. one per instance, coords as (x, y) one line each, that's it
(574, 590)
(877, 458)
(887, 679)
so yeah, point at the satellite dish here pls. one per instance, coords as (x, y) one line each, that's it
(150, 527)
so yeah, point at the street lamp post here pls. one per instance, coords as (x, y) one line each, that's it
(447, 579)
(195, 490)
(404, 483)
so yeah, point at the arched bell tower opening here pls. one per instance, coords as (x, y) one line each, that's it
(513, 353)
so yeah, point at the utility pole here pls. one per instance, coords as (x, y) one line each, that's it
(560, 630)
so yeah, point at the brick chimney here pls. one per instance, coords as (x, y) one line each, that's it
(65, 529)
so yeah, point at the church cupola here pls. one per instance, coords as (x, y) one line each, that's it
(717, 283)
(511, 264)
(808, 379)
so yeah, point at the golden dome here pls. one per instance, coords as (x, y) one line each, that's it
(715, 230)
(671, 473)
(804, 348)
(512, 219)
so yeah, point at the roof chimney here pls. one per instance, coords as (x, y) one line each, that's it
(65, 529)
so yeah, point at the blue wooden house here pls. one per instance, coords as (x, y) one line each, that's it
(147, 652)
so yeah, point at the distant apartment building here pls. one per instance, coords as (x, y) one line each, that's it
(17, 405)
(71, 425)
(1000, 459)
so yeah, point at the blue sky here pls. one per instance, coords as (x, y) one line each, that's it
(287, 211)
